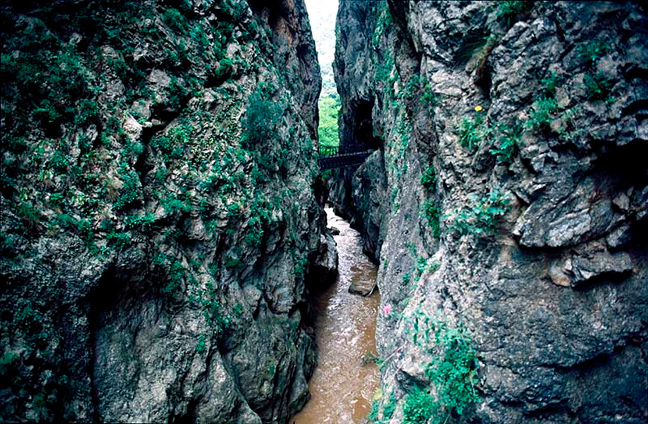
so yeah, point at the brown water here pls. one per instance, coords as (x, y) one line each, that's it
(343, 385)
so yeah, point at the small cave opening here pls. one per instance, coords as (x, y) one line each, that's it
(360, 124)
(271, 11)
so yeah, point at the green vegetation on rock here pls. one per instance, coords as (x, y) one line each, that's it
(452, 370)
(480, 217)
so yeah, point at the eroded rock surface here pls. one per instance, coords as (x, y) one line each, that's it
(510, 200)
(158, 222)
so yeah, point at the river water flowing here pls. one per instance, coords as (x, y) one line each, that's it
(345, 329)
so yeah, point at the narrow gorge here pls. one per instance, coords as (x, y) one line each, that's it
(165, 254)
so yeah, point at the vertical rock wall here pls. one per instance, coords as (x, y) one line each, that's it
(158, 216)
(507, 205)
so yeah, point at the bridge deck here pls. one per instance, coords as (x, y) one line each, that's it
(340, 161)
(340, 156)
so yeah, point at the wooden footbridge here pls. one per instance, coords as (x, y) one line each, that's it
(331, 157)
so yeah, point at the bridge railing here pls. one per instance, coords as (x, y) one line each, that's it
(346, 149)
(341, 161)
(328, 150)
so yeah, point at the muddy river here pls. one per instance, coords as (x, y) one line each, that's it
(344, 381)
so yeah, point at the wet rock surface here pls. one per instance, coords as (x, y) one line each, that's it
(510, 200)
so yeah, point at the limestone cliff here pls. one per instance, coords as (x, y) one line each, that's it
(507, 203)
(158, 212)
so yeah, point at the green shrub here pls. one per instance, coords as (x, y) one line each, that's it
(507, 142)
(481, 218)
(419, 407)
(423, 265)
(429, 179)
(432, 213)
(176, 275)
(550, 84)
(261, 117)
(374, 410)
(137, 222)
(233, 210)
(384, 22)
(7, 361)
(172, 205)
(510, 10)
(593, 51)
(542, 113)
(175, 20)
(7, 245)
(201, 346)
(429, 97)
(84, 229)
(410, 89)
(473, 131)
(597, 86)
(87, 110)
(254, 237)
(132, 150)
(172, 144)
(455, 370)
(130, 191)
(59, 161)
(119, 240)
(452, 370)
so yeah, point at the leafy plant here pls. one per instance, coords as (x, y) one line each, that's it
(507, 142)
(389, 407)
(173, 205)
(119, 240)
(429, 97)
(130, 190)
(472, 131)
(410, 89)
(419, 407)
(59, 161)
(598, 86)
(432, 213)
(542, 113)
(429, 178)
(510, 10)
(139, 222)
(591, 52)
(172, 144)
(452, 370)
(384, 22)
(175, 20)
(201, 345)
(481, 218)
(550, 84)
(255, 236)
(176, 275)
(7, 361)
(261, 117)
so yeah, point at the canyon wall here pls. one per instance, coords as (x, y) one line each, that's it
(506, 203)
(159, 211)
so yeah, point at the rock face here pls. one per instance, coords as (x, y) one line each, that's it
(507, 205)
(158, 221)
